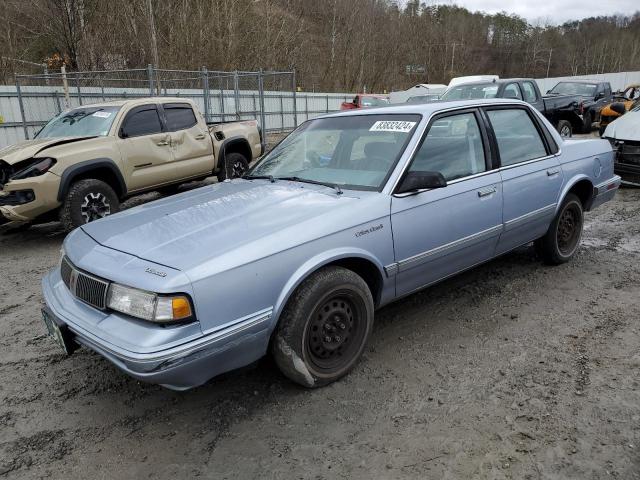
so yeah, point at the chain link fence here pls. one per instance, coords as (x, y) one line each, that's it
(268, 96)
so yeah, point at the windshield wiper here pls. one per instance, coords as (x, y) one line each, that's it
(259, 177)
(313, 182)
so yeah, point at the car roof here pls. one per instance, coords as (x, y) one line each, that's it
(425, 109)
(136, 101)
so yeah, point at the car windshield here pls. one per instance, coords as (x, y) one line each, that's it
(353, 152)
(373, 102)
(574, 88)
(469, 92)
(80, 122)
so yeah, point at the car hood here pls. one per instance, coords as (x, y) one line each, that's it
(627, 127)
(24, 150)
(243, 220)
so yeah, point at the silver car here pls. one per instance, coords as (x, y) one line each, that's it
(350, 212)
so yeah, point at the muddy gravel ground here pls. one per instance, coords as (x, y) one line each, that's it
(512, 370)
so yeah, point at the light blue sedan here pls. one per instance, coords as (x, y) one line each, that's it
(350, 212)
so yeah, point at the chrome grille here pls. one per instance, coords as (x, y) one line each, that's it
(85, 287)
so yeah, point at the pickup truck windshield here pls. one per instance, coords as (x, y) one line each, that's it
(574, 88)
(80, 122)
(469, 92)
(354, 152)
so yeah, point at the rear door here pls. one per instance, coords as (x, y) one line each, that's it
(531, 174)
(191, 143)
(145, 148)
(439, 232)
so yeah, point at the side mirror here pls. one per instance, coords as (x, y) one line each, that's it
(122, 133)
(600, 95)
(414, 181)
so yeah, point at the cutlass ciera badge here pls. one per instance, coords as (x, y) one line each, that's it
(153, 271)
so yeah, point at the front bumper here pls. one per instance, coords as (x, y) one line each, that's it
(178, 365)
(25, 200)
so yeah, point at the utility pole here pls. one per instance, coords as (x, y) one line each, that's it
(453, 56)
(154, 42)
(549, 62)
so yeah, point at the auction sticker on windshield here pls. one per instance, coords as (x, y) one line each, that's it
(101, 114)
(392, 126)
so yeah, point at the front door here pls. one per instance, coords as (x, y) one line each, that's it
(442, 231)
(146, 149)
(531, 175)
(191, 143)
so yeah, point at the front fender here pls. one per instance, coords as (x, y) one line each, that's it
(315, 263)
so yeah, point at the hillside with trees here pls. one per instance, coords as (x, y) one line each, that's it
(334, 45)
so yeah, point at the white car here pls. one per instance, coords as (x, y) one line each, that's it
(624, 135)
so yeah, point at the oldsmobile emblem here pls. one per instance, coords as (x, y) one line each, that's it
(153, 271)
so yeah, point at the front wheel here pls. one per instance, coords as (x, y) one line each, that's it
(86, 201)
(233, 166)
(324, 327)
(561, 241)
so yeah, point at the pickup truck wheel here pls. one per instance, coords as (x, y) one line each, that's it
(565, 129)
(561, 241)
(235, 164)
(588, 121)
(86, 201)
(324, 327)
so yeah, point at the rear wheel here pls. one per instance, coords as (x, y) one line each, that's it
(234, 166)
(324, 327)
(88, 200)
(561, 241)
(565, 129)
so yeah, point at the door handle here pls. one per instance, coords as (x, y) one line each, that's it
(551, 173)
(162, 143)
(200, 136)
(485, 192)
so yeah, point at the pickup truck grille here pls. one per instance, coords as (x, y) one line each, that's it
(85, 287)
(629, 153)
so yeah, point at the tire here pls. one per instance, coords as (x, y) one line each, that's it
(588, 121)
(86, 201)
(565, 129)
(337, 303)
(562, 240)
(234, 166)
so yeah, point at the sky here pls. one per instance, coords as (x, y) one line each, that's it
(552, 12)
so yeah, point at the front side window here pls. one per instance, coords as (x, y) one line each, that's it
(517, 136)
(453, 146)
(529, 92)
(179, 116)
(80, 122)
(356, 152)
(145, 121)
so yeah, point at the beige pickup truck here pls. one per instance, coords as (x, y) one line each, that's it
(85, 161)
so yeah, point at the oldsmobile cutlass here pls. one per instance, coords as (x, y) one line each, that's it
(350, 212)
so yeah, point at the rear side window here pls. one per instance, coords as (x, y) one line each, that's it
(512, 91)
(529, 92)
(179, 116)
(517, 136)
(143, 121)
(452, 147)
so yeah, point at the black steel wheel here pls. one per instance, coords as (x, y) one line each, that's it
(562, 239)
(324, 327)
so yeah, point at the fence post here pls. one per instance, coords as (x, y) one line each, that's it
(55, 92)
(327, 103)
(21, 103)
(78, 89)
(150, 77)
(221, 96)
(306, 106)
(205, 92)
(263, 123)
(65, 87)
(295, 103)
(236, 94)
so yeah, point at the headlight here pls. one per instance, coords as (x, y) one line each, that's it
(39, 166)
(148, 306)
